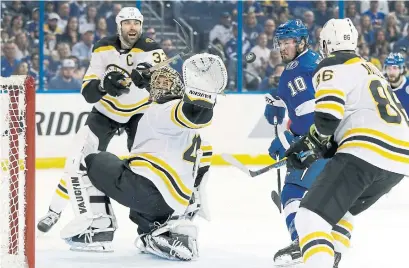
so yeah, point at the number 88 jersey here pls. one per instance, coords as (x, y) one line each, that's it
(372, 124)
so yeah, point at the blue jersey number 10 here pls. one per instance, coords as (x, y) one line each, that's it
(297, 85)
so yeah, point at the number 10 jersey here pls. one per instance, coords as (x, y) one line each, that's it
(373, 125)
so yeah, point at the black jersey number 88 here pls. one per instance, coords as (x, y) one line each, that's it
(387, 101)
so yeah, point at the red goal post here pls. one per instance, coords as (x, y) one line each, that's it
(17, 181)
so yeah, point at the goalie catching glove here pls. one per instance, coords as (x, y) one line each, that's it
(318, 146)
(205, 76)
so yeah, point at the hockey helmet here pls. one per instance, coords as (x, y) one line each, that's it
(394, 64)
(166, 81)
(338, 35)
(128, 13)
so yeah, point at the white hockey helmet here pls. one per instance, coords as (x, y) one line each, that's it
(338, 35)
(128, 13)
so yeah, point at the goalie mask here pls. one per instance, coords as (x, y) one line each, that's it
(166, 82)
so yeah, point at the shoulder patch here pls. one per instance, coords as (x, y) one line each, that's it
(292, 65)
(335, 59)
(149, 40)
(146, 44)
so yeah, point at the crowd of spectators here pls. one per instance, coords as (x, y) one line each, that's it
(72, 27)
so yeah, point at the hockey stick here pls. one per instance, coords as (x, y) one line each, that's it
(276, 197)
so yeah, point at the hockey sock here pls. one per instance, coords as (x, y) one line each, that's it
(342, 233)
(60, 198)
(316, 241)
(290, 198)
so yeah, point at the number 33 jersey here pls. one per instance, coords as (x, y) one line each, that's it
(373, 125)
(164, 149)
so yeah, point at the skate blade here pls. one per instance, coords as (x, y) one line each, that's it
(93, 247)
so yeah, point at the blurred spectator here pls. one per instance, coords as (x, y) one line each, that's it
(258, 67)
(16, 25)
(151, 33)
(101, 30)
(49, 8)
(71, 34)
(79, 71)
(105, 9)
(65, 79)
(269, 29)
(231, 55)
(77, 8)
(22, 46)
(88, 21)
(222, 32)
(252, 6)
(64, 13)
(52, 24)
(381, 44)
(111, 19)
(402, 43)
(63, 52)
(401, 13)
(9, 62)
(393, 33)
(274, 60)
(83, 49)
(252, 28)
(18, 8)
(374, 14)
(4, 36)
(32, 25)
(6, 20)
(364, 52)
(309, 22)
(170, 51)
(383, 5)
(297, 8)
(283, 17)
(366, 30)
(35, 67)
(322, 15)
(50, 43)
(352, 13)
(22, 69)
(270, 82)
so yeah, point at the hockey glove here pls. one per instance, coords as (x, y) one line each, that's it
(140, 76)
(280, 144)
(314, 143)
(114, 83)
(275, 108)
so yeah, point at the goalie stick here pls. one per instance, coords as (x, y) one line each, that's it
(254, 173)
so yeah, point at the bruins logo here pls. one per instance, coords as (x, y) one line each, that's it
(149, 40)
(116, 68)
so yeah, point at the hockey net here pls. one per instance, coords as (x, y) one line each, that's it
(17, 158)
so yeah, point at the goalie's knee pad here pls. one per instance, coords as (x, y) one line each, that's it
(342, 233)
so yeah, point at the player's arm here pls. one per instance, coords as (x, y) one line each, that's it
(90, 88)
(329, 99)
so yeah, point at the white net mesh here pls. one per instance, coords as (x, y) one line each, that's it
(12, 180)
(205, 72)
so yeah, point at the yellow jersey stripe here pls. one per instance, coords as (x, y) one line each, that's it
(318, 249)
(335, 92)
(330, 106)
(63, 183)
(90, 77)
(346, 225)
(181, 117)
(169, 169)
(104, 48)
(85, 84)
(119, 113)
(136, 50)
(341, 239)
(165, 179)
(377, 150)
(206, 159)
(125, 106)
(376, 133)
(206, 148)
(315, 235)
(353, 60)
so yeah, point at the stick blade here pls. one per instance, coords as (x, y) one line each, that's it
(234, 162)
(276, 199)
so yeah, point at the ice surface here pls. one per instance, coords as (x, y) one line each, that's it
(246, 229)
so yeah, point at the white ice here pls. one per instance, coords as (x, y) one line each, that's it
(246, 229)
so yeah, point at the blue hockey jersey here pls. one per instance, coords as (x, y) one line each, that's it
(402, 92)
(296, 90)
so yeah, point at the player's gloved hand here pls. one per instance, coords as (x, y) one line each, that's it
(314, 143)
(114, 83)
(280, 144)
(275, 108)
(140, 77)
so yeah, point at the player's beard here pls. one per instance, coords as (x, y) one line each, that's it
(394, 81)
(127, 42)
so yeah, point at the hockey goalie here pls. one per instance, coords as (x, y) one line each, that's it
(162, 181)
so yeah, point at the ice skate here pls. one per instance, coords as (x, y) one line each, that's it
(288, 256)
(48, 221)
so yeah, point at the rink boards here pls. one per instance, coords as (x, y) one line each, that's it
(238, 128)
